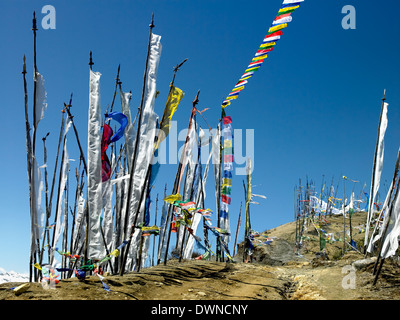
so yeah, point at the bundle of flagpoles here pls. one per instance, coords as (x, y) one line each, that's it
(110, 227)
(106, 236)
(313, 209)
(382, 225)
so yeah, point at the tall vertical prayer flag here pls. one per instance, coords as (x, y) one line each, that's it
(94, 165)
(378, 165)
(174, 98)
(227, 143)
(130, 131)
(145, 144)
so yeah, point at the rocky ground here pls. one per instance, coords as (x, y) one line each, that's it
(276, 273)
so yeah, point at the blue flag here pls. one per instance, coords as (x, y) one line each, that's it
(123, 121)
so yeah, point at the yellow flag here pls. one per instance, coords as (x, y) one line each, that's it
(232, 97)
(238, 88)
(227, 182)
(264, 56)
(278, 27)
(225, 105)
(227, 143)
(173, 197)
(266, 45)
(37, 266)
(115, 253)
(287, 9)
(175, 96)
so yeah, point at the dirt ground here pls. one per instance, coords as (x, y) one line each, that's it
(305, 278)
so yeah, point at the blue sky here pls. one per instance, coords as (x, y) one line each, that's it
(314, 104)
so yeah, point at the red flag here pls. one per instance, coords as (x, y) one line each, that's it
(226, 199)
(277, 33)
(226, 120)
(105, 162)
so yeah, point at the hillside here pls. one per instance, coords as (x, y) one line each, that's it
(276, 273)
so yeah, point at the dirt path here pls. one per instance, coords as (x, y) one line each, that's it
(202, 280)
(279, 274)
(192, 280)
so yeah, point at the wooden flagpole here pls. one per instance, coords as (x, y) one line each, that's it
(344, 218)
(46, 231)
(73, 212)
(390, 207)
(28, 150)
(144, 190)
(33, 198)
(190, 198)
(154, 236)
(161, 239)
(176, 186)
(49, 207)
(128, 230)
(237, 229)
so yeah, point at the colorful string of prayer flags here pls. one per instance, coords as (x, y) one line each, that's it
(274, 34)
(226, 186)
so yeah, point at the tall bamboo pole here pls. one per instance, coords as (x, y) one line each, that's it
(389, 210)
(28, 151)
(128, 229)
(154, 236)
(46, 231)
(179, 172)
(144, 190)
(49, 207)
(237, 229)
(33, 197)
(344, 219)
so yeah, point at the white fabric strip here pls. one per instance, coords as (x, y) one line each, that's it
(130, 131)
(391, 242)
(146, 142)
(94, 184)
(41, 103)
(378, 168)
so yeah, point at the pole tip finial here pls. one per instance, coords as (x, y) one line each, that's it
(151, 25)
(91, 61)
(34, 26)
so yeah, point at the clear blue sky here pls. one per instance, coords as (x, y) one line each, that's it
(314, 104)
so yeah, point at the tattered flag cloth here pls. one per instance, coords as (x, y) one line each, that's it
(274, 33)
(105, 286)
(146, 231)
(218, 232)
(345, 178)
(40, 98)
(172, 198)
